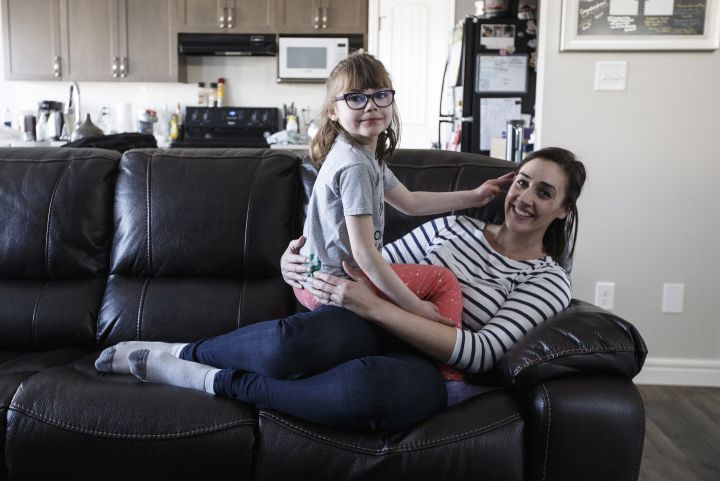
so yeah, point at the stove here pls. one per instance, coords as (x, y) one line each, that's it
(228, 127)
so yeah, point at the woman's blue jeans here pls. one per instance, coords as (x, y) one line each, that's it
(327, 366)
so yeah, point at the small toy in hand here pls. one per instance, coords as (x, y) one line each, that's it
(314, 264)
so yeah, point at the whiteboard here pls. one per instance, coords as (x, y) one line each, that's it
(501, 73)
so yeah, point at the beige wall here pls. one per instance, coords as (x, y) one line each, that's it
(649, 213)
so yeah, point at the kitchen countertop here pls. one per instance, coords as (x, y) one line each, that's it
(22, 143)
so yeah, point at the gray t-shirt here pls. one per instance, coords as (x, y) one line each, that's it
(350, 182)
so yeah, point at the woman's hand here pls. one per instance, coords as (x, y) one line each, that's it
(490, 189)
(293, 266)
(359, 296)
(356, 295)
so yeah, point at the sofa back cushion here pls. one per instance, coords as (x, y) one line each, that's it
(442, 171)
(56, 228)
(198, 240)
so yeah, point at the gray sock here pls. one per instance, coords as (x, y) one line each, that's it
(115, 359)
(164, 368)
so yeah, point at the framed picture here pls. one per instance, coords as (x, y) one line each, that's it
(640, 25)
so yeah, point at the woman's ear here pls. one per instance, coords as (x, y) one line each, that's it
(332, 114)
(567, 209)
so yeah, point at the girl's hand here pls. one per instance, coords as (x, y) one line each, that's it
(293, 266)
(491, 189)
(428, 310)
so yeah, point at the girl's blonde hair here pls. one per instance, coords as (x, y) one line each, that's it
(359, 71)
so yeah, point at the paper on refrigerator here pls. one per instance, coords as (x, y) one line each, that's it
(494, 114)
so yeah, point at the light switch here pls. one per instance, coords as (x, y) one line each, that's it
(673, 298)
(611, 75)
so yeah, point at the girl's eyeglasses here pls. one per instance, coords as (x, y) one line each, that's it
(359, 100)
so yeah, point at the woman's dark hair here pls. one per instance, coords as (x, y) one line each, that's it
(555, 241)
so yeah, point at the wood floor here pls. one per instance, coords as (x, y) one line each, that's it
(682, 433)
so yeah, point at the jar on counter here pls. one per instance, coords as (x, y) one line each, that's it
(146, 122)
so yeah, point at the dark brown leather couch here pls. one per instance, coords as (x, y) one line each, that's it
(182, 244)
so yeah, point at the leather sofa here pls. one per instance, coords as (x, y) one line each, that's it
(181, 244)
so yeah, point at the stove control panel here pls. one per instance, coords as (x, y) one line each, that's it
(267, 118)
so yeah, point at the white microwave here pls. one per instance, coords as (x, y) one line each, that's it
(309, 58)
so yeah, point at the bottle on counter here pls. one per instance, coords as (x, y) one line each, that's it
(202, 95)
(292, 124)
(40, 127)
(162, 127)
(212, 95)
(220, 91)
(179, 122)
(174, 126)
(7, 118)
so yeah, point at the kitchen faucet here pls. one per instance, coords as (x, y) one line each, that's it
(73, 118)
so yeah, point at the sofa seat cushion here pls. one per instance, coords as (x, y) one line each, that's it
(15, 366)
(186, 309)
(481, 438)
(114, 426)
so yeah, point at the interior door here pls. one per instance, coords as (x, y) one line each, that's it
(411, 37)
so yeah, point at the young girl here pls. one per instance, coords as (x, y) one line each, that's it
(358, 130)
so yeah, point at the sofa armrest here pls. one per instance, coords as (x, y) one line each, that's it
(583, 339)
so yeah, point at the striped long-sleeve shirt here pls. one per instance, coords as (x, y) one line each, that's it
(503, 298)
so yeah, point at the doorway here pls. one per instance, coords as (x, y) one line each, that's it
(411, 37)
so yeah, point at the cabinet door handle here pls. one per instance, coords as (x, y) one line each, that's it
(57, 67)
(123, 67)
(230, 17)
(222, 18)
(115, 66)
(316, 20)
(324, 17)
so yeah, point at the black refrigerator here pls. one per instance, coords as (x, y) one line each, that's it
(489, 78)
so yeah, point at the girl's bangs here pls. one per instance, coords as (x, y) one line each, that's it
(361, 76)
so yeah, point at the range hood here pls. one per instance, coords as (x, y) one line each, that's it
(228, 44)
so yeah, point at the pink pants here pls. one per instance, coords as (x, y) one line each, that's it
(430, 283)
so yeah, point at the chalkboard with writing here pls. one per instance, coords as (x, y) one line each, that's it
(628, 18)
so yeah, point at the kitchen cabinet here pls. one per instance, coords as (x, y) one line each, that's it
(226, 16)
(31, 41)
(89, 37)
(321, 16)
(133, 40)
(90, 40)
(148, 49)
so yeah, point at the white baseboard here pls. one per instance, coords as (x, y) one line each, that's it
(680, 372)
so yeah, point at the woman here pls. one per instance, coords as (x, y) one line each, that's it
(348, 364)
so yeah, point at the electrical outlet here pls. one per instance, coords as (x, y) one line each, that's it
(605, 295)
